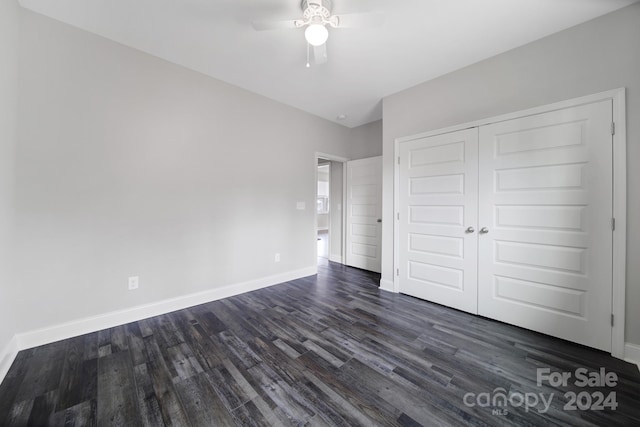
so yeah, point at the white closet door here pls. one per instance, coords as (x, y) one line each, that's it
(438, 196)
(364, 213)
(546, 200)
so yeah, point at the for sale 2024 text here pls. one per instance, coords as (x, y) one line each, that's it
(582, 377)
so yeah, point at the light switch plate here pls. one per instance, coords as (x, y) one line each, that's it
(301, 206)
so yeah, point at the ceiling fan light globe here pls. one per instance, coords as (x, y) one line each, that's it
(316, 34)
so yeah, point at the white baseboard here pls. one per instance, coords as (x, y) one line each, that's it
(335, 258)
(386, 285)
(87, 325)
(7, 356)
(632, 353)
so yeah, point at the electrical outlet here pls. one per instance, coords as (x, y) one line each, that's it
(301, 206)
(277, 258)
(134, 281)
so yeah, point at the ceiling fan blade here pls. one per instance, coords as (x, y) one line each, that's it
(320, 54)
(275, 25)
(358, 20)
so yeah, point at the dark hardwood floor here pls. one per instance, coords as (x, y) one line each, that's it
(325, 350)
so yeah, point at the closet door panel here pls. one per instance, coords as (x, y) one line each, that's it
(438, 202)
(545, 191)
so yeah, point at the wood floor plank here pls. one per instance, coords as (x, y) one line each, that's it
(249, 388)
(238, 349)
(90, 346)
(119, 341)
(183, 361)
(43, 371)
(227, 388)
(209, 320)
(81, 415)
(78, 382)
(204, 348)
(290, 406)
(162, 380)
(353, 414)
(148, 404)
(71, 377)
(117, 403)
(392, 393)
(249, 415)
(366, 400)
(43, 406)
(11, 384)
(202, 405)
(19, 413)
(135, 343)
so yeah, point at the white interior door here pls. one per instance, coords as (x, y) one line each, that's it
(364, 213)
(545, 262)
(438, 199)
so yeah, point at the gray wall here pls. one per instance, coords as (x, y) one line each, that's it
(8, 131)
(366, 140)
(129, 165)
(323, 222)
(599, 55)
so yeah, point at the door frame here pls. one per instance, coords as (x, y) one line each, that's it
(619, 131)
(343, 240)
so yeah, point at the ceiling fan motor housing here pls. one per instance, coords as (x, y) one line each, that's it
(316, 11)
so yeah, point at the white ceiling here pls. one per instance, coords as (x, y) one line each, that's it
(419, 40)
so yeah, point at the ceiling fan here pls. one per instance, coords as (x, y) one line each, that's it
(316, 17)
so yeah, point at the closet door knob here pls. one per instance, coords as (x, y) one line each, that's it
(469, 230)
(484, 230)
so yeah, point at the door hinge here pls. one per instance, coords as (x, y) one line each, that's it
(398, 159)
(612, 322)
(398, 216)
(397, 271)
(613, 224)
(613, 128)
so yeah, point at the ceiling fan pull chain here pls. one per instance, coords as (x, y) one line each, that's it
(308, 64)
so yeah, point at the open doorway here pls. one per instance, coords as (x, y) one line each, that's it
(329, 208)
(323, 207)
